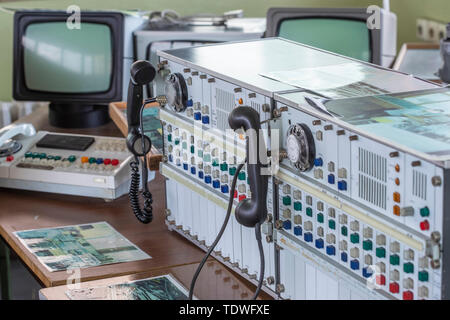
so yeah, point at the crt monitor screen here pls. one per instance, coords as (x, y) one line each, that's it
(57, 59)
(350, 38)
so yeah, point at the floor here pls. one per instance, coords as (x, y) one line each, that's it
(23, 285)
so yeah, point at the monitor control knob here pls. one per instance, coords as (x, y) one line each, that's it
(176, 92)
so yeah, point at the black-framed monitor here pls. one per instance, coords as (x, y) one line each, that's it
(79, 70)
(340, 30)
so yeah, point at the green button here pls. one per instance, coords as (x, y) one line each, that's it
(177, 141)
(28, 155)
(344, 231)
(192, 149)
(309, 212)
(207, 158)
(232, 171)
(57, 158)
(184, 145)
(92, 160)
(423, 276)
(332, 224)
(215, 163)
(287, 201)
(320, 217)
(395, 260)
(425, 212)
(42, 155)
(367, 245)
(200, 153)
(72, 158)
(297, 206)
(354, 238)
(408, 267)
(241, 176)
(224, 167)
(380, 252)
(169, 137)
(50, 157)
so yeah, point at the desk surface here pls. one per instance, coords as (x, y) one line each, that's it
(215, 282)
(22, 210)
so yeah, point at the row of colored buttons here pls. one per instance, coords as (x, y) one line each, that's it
(37, 155)
(93, 160)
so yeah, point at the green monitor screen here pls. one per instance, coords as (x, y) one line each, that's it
(62, 60)
(350, 38)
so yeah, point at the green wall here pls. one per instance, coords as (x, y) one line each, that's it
(407, 11)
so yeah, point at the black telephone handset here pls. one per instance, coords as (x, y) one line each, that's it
(251, 212)
(139, 144)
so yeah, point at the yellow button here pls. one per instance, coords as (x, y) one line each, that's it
(84, 159)
(241, 101)
(397, 197)
(397, 210)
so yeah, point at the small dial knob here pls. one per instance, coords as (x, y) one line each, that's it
(300, 147)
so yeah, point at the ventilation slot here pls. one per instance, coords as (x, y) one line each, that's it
(224, 100)
(256, 106)
(372, 178)
(419, 185)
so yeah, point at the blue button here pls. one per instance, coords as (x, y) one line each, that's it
(331, 179)
(318, 162)
(342, 185)
(190, 103)
(200, 174)
(193, 170)
(170, 158)
(197, 116)
(99, 161)
(185, 166)
(224, 188)
(298, 231)
(344, 256)
(216, 184)
(308, 237)
(366, 273)
(208, 179)
(319, 243)
(354, 264)
(287, 225)
(205, 119)
(331, 250)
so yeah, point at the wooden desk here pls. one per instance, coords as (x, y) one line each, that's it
(21, 210)
(215, 282)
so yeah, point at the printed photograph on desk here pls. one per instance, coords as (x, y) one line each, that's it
(79, 246)
(158, 288)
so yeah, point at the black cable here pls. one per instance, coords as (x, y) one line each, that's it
(219, 235)
(262, 262)
(144, 215)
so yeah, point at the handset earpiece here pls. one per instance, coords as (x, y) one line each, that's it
(251, 212)
(142, 73)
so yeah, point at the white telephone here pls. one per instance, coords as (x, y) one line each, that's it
(82, 165)
(8, 146)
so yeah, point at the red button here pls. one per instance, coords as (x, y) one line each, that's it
(381, 280)
(408, 295)
(235, 193)
(394, 287)
(425, 225)
(242, 197)
(9, 158)
(114, 162)
(107, 161)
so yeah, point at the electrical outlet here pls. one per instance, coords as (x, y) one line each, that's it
(422, 29)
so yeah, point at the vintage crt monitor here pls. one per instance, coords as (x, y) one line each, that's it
(356, 203)
(163, 35)
(79, 70)
(341, 30)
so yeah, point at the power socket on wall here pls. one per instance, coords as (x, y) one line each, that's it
(429, 30)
